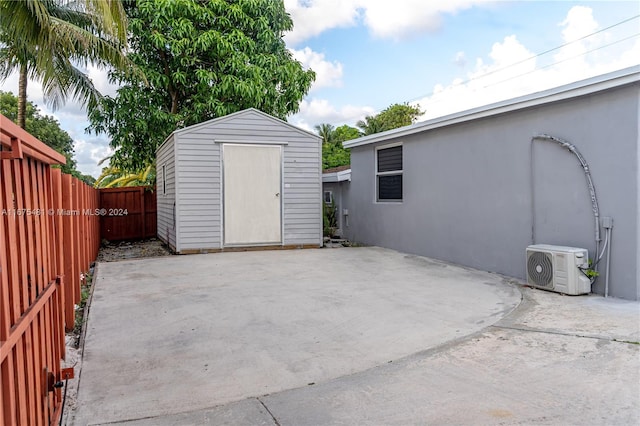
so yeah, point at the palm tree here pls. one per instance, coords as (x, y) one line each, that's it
(369, 125)
(326, 132)
(46, 40)
(115, 177)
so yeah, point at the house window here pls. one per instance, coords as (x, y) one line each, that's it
(164, 180)
(389, 173)
(328, 197)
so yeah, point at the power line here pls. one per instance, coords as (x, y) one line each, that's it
(545, 66)
(566, 59)
(537, 55)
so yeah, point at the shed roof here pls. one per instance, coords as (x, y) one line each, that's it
(579, 88)
(232, 116)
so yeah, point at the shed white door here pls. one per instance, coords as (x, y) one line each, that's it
(252, 182)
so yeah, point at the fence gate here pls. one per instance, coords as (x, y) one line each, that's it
(128, 213)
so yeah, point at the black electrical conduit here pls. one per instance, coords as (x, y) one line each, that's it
(592, 190)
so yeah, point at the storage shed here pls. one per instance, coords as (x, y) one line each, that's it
(243, 180)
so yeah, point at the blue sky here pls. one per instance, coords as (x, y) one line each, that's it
(409, 50)
(369, 54)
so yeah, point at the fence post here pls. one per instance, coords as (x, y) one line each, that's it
(55, 213)
(143, 228)
(7, 396)
(68, 244)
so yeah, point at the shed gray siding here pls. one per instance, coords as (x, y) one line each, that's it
(199, 193)
(302, 199)
(468, 192)
(199, 173)
(166, 192)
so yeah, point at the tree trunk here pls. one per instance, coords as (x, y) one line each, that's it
(22, 96)
(174, 101)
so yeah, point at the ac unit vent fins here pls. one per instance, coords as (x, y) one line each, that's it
(540, 269)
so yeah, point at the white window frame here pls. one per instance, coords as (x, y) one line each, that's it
(390, 173)
(324, 196)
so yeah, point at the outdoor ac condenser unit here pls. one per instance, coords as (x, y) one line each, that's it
(555, 268)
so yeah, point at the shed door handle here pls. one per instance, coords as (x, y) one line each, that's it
(277, 194)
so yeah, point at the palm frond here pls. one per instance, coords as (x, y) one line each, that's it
(66, 81)
(126, 180)
(108, 157)
(50, 38)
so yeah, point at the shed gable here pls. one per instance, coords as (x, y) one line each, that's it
(245, 123)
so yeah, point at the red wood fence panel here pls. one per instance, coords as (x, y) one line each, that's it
(49, 235)
(128, 213)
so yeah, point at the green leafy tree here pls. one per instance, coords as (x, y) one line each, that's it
(333, 153)
(399, 115)
(346, 133)
(88, 179)
(202, 60)
(46, 40)
(43, 127)
(396, 115)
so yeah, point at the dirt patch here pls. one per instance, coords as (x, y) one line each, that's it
(124, 250)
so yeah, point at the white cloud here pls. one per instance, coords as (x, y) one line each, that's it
(312, 17)
(328, 74)
(316, 111)
(578, 23)
(100, 78)
(460, 59)
(508, 73)
(385, 19)
(34, 90)
(88, 152)
(403, 18)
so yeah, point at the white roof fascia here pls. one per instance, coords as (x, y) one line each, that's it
(337, 176)
(579, 88)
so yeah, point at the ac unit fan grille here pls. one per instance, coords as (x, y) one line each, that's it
(540, 269)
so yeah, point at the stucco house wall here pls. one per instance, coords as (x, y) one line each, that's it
(477, 191)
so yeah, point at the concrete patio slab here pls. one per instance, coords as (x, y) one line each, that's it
(248, 412)
(589, 316)
(541, 374)
(187, 333)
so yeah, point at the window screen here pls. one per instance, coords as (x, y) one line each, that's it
(390, 159)
(389, 174)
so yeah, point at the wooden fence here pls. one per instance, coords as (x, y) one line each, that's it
(49, 235)
(128, 213)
